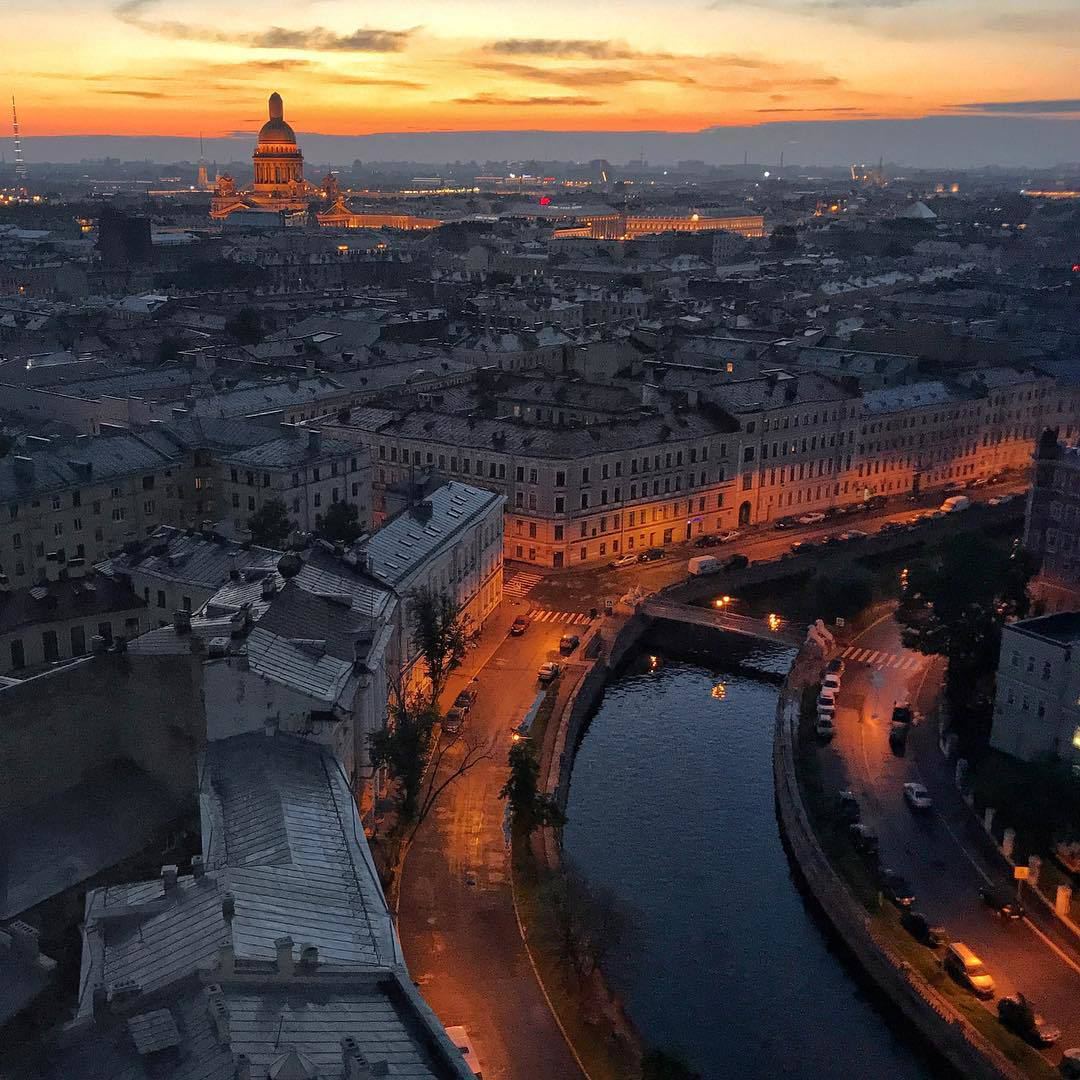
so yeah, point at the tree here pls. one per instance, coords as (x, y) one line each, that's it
(955, 606)
(529, 808)
(340, 522)
(590, 920)
(842, 594)
(270, 524)
(440, 634)
(245, 327)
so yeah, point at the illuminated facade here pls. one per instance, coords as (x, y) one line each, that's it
(622, 227)
(278, 165)
(339, 216)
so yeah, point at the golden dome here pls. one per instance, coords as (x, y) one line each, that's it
(275, 131)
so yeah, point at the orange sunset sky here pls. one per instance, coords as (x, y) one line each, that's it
(181, 67)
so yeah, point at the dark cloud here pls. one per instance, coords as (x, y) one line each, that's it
(505, 100)
(1051, 105)
(824, 109)
(152, 94)
(314, 39)
(563, 48)
(584, 76)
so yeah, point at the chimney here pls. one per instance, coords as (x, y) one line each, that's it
(314, 440)
(181, 621)
(218, 1010)
(269, 588)
(354, 1065)
(168, 878)
(284, 947)
(228, 907)
(198, 867)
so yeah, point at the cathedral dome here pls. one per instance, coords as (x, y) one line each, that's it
(275, 131)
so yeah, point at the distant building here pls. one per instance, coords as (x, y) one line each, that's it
(1037, 705)
(123, 239)
(1052, 528)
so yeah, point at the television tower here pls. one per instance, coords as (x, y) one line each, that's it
(20, 165)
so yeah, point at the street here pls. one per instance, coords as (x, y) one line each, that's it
(941, 852)
(456, 915)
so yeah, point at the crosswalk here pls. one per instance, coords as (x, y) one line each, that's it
(886, 661)
(519, 583)
(571, 618)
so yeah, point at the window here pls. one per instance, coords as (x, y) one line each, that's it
(585, 475)
(50, 649)
(56, 502)
(558, 532)
(584, 554)
(16, 540)
(78, 641)
(584, 500)
(236, 501)
(234, 477)
(295, 479)
(161, 598)
(148, 506)
(119, 513)
(148, 483)
(105, 632)
(251, 501)
(18, 656)
(58, 528)
(560, 478)
(1046, 670)
(560, 504)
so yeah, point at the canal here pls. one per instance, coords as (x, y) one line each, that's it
(671, 811)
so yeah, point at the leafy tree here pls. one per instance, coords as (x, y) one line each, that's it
(843, 594)
(440, 634)
(245, 327)
(529, 808)
(955, 606)
(663, 1065)
(270, 524)
(590, 920)
(340, 522)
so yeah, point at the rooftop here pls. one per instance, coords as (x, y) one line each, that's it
(1062, 628)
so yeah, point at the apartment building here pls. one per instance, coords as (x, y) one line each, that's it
(450, 542)
(1052, 526)
(1037, 704)
(302, 470)
(573, 494)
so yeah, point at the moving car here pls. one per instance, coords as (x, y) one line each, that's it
(852, 535)
(802, 547)
(568, 643)
(865, 842)
(623, 560)
(810, 519)
(967, 969)
(728, 537)
(1019, 1016)
(736, 562)
(706, 541)
(548, 671)
(921, 929)
(849, 807)
(1002, 902)
(784, 523)
(917, 797)
(460, 1038)
(651, 555)
(895, 889)
(519, 626)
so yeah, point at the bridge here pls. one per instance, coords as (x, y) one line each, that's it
(774, 628)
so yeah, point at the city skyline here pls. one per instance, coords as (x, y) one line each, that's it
(139, 67)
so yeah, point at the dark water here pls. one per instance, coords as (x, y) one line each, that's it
(671, 807)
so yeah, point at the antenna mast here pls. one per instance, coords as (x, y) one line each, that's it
(20, 165)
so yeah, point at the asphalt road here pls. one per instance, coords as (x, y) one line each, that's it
(943, 853)
(456, 915)
(578, 590)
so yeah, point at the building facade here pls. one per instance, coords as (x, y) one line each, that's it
(1052, 525)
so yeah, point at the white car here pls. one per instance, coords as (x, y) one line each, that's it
(917, 797)
(727, 537)
(831, 682)
(623, 560)
(810, 519)
(547, 672)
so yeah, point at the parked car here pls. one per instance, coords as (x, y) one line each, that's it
(460, 1038)
(1019, 1016)
(629, 559)
(453, 720)
(853, 534)
(917, 797)
(729, 536)
(1070, 1064)
(700, 565)
(810, 519)
(865, 842)
(898, 738)
(568, 643)
(803, 547)
(467, 698)
(548, 671)
(651, 555)
(967, 969)
(828, 692)
(706, 541)
(825, 729)
(784, 523)
(921, 929)
(895, 889)
(826, 705)
(955, 503)
(1002, 902)
(849, 807)
(519, 626)
(736, 562)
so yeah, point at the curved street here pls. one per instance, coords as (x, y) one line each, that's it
(944, 854)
